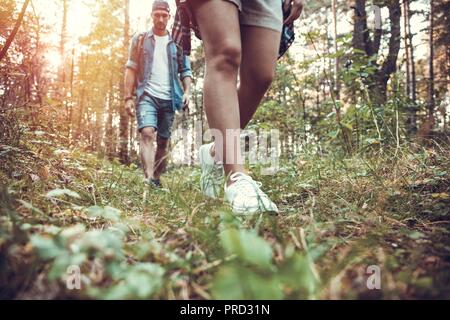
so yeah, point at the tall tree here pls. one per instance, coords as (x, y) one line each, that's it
(99, 75)
(62, 44)
(411, 90)
(337, 86)
(369, 46)
(407, 53)
(14, 31)
(441, 43)
(411, 52)
(124, 120)
(431, 101)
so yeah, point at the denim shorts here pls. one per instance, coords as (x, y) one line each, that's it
(156, 113)
(260, 13)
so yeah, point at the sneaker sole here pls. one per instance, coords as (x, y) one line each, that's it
(252, 211)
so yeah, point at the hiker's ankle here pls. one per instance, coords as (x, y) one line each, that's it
(229, 182)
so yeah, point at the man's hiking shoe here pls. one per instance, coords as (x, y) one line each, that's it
(156, 183)
(245, 196)
(212, 176)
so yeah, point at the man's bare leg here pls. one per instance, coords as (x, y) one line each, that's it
(259, 57)
(161, 157)
(147, 149)
(219, 25)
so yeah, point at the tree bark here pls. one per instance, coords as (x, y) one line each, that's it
(365, 45)
(407, 53)
(411, 51)
(390, 64)
(109, 139)
(411, 124)
(62, 46)
(124, 120)
(337, 85)
(14, 31)
(431, 101)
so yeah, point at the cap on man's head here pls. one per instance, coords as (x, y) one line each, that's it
(160, 5)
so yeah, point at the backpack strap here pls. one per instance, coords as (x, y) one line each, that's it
(140, 47)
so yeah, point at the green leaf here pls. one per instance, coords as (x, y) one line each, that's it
(248, 247)
(297, 274)
(51, 229)
(70, 233)
(108, 213)
(424, 283)
(333, 134)
(102, 243)
(415, 235)
(142, 281)
(233, 282)
(348, 126)
(26, 227)
(63, 262)
(30, 206)
(46, 247)
(61, 192)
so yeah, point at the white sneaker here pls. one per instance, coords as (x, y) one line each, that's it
(245, 196)
(212, 176)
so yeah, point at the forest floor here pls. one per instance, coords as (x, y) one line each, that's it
(343, 221)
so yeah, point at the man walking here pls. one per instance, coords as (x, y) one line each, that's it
(153, 71)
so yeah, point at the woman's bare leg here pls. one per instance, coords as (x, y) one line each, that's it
(219, 26)
(259, 57)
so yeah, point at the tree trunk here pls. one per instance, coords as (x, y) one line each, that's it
(62, 44)
(448, 66)
(431, 101)
(363, 42)
(110, 150)
(72, 74)
(124, 120)
(83, 62)
(337, 85)
(390, 64)
(407, 53)
(411, 123)
(411, 51)
(14, 31)
(412, 91)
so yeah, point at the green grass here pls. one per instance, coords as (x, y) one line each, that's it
(63, 207)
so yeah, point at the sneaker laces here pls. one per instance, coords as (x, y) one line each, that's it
(244, 183)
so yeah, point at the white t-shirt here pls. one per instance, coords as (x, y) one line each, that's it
(159, 83)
